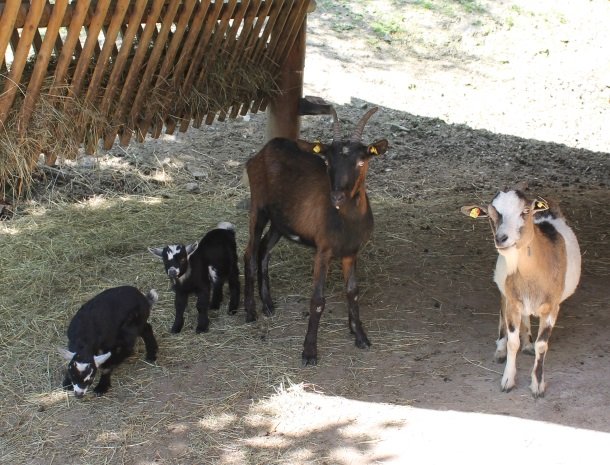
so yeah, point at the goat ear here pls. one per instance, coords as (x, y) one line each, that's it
(190, 248)
(156, 251)
(99, 359)
(474, 211)
(312, 147)
(378, 148)
(65, 353)
(539, 205)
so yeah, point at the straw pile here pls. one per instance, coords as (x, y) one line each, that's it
(63, 253)
(62, 123)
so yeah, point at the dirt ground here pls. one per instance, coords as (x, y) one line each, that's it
(471, 101)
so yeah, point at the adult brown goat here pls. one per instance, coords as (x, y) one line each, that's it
(314, 194)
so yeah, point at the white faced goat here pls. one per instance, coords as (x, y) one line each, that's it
(538, 267)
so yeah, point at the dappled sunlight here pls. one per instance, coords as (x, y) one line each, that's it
(217, 422)
(53, 398)
(303, 425)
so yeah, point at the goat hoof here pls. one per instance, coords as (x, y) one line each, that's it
(100, 391)
(151, 358)
(250, 317)
(231, 311)
(202, 329)
(176, 329)
(305, 360)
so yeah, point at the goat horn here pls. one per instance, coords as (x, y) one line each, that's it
(336, 125)
(357, 136)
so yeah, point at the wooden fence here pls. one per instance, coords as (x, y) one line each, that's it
(108, 68)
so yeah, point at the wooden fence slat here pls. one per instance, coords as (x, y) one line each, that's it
(42, 62)
(248, 38)
(213, 50)
(292, 26)
(210, 21)
(7, 26)
(185, 57)
(230, 50)
(175, 41)
(256, 41)
(69, 45)
(119, 65)
(276, 46)
(134, 71)
(20, 59)
(84, 62)
(111, 34)
(262, 44)
(151, 66)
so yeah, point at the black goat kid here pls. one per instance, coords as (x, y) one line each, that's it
(195, 268)
(102, 335)
(319, 201)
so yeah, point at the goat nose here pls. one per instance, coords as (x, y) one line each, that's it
(337, 198)
(172, 272)
(501, 239)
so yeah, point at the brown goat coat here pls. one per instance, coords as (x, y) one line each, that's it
(291, 188)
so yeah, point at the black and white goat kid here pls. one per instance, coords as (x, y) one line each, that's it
(102, 334)
(195, 268)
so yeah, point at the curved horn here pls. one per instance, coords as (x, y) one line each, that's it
(336, 125)
(357, 136)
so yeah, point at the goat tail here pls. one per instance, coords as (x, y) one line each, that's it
(152, 296)
(226, 225)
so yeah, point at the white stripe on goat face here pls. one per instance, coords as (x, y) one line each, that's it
(82, 367)
(510, 207)
(173, 250)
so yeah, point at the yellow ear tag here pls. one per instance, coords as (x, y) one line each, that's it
(316, 148)
(542, 204)
(373, 150)
(475, 212)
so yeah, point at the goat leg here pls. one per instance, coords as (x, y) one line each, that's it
(500, 353)
(351, 287)
(104, 383)
(180, 302)
(316, 308)
(256, 227)
(67, 383)
(267, 243)
(234, 290)
(203, 303)
(548, 313)
(216, 294)
(513, 322)
(150, 342)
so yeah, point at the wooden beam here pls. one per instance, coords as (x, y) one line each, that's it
(283, 118)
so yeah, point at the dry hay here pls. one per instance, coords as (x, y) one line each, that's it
(63, 253)
(195, 401)
(61, 123)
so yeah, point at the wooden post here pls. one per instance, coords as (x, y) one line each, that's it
(283, 115)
